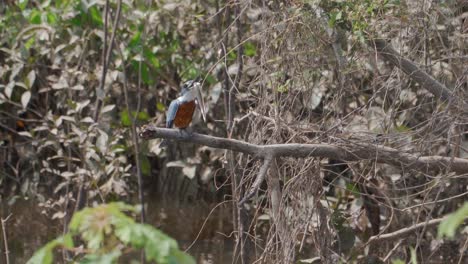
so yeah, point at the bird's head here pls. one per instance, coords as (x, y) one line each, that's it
(194, 87)
(189, 86)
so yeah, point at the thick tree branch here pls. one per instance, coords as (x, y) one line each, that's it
(414, 72)
(355, 152)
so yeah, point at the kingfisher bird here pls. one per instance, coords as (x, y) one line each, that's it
(181, 109)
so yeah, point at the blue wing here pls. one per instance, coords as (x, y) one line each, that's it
(171, 113)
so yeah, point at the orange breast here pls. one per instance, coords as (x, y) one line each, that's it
(184, 114)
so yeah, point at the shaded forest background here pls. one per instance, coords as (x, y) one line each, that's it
(78, 79)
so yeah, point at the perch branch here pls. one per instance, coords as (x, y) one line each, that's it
(414, 72)
(258, 181)
(404, 231)
(355, 152)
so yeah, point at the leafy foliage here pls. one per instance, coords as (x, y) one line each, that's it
(108, 233)
(453, 221)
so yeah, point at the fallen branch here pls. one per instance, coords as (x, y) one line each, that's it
(404, 231)
(357, 152)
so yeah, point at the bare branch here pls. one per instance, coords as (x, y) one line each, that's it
(258, 181)
(357, 152)
(414, 72)
(106, 59)
(404, 231)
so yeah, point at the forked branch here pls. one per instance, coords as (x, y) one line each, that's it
(356, 152)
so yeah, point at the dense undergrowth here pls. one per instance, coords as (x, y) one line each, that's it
(297, 71)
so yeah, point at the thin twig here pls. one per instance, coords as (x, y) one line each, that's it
(5, 241)
(390, 253)
(106, 59)
(404, 231)
(135, 141)
(378, 153)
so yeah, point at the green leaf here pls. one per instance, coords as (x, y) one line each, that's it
(45, 254)
(135, 41)
(145, 74)
(398, 261)
(403, 128)
(67, 241)
(22, 4)
(179, 257)
(145, 165)
(452, 222)
(125, 118)
(77, 21)
(142, 116)
(149, 55)
(52, 18)
(160, 106)
(250, 49)
(232, 56)
(96, 16)
(108, 231)
(108, 258)
(414, 258)
(30, 42)
(339, 15)
(352, 187)
(35, 17)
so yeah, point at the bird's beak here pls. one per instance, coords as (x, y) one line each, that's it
(201, 103)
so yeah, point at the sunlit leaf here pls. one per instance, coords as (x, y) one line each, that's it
(160, 106)
(102, 141)
(87, 119)
(189, 171)
(25, 98)
(30, 42)
(452, 222)
(107, 108)
(9, 89)
(30, 78)
(35, 17)
(176, 163)
(414, 258)
(25, 134)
